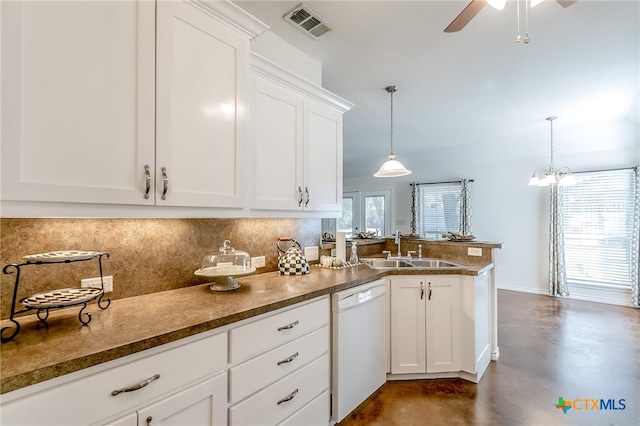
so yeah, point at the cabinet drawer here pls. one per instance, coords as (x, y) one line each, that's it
(89, 399)
(315, 413)
(272, 405)
(261, 371)
(256, 337)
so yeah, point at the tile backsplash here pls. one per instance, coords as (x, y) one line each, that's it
(145, 255)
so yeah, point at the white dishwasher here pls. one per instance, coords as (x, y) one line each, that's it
(360, 318)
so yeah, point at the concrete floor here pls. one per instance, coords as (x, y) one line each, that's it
(549, 348)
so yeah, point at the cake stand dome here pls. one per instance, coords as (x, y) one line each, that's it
(225, 264)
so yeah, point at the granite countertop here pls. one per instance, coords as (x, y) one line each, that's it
(137, 323)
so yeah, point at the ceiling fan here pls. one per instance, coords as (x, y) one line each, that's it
(476, 6)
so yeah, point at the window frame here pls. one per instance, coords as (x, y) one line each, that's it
(359, 210)
(598, 247)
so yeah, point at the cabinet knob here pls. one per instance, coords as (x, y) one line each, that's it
(149, 420)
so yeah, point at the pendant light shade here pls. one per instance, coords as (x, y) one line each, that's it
(391, 167)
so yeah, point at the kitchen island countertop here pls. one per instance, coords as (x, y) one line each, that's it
(134, 324)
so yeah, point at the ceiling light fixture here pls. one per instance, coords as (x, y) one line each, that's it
(551, 176)
(391, 167)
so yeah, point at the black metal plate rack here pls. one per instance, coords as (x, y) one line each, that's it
(42, 303)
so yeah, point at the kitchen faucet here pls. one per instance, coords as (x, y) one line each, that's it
(398, 242)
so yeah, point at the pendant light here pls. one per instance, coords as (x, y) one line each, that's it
(551, 176)
(391, 167)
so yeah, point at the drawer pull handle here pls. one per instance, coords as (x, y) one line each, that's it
(147, 175)
(136, 387)
(165, 182)
(289, 326)
(300, 196)
(288, 397)
(291, 358)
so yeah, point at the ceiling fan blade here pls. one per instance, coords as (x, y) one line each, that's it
(566, 3)
(466, 16)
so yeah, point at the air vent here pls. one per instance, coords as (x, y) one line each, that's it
(307, 21)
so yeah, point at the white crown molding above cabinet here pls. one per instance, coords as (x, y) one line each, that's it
(235, 17)
(269, 70)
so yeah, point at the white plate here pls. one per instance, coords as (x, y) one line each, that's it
(62, 297)
(219, 271)
(60, 256)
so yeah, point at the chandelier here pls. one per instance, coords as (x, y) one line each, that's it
(552, 176)
(391, 167)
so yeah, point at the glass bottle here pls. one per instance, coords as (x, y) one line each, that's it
(354, 252)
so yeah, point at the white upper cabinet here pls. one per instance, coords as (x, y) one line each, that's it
(125, 103)
(296, 142)
(322, 158)
(202, 70)
(77, 101)
(278, 146)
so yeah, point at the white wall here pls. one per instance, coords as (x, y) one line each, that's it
(288, 57)
(505, 209)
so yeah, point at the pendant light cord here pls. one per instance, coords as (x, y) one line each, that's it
(551, 121)
(391, 91)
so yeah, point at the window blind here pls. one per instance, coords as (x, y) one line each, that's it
(437, 208)
(598, 225)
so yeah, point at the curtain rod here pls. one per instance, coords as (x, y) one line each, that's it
(609, 170)
(435, 183)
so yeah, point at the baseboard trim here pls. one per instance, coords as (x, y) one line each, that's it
(586, 298)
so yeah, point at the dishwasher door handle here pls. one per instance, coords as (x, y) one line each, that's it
(361, 297)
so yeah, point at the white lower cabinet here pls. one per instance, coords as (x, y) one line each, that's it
(425, 324)
(281, 369)
(178, 383)
(440, 325)
(202, 404)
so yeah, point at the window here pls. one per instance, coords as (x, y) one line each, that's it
(440, 208)
(365, 211)
(598, 226)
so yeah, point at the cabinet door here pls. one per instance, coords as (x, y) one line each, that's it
(277, 148)
(202, 67)
(443, 323)
(77, 100)
(203, 404)
(322, 158)
(408, 325)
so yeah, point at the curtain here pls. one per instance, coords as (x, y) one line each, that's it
(465, 208)
(414, 208)
(635, 242)
(557, 273)
(441, 207)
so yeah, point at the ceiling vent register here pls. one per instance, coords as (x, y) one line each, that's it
(307, 21)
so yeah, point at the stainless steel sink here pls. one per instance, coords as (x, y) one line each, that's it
(387, 264)
(412, 264)
(436, 263)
